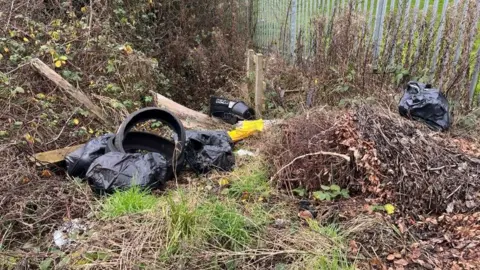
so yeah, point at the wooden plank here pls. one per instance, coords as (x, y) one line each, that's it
(55, 156)
(190, 118)
(259, 91)
(63, 84)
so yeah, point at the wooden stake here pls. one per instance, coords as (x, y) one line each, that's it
(250, 63)
(77, 94)
(259, 87)
(189, 117)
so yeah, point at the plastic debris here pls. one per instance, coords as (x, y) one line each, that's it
(243, 152)
(207, 150)
(117, 171)
(423, 103)
(80, 160)
(66, 234)
(246, 129)
(230, 111)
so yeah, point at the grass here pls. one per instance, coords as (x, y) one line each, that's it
(131, 201)
(250, 182)
(226, 226)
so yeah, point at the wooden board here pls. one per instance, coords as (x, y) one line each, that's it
(55, 156)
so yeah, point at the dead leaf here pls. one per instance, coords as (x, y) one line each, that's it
(353, 246)
(401, 262)
(391, 257)
(305, 214)
(46, 173)
(397, 255)
(401, 227)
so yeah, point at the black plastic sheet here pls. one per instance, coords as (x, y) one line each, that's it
(207, 150)
(79, 160)
(423, 103)
(118, 171)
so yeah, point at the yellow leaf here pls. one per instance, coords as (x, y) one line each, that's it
(58, 63)
(12, 33)
(76, 121)
(223, 182)
(84, 9)
(67, 49)
(128, 49)
(29, 138)
(25, 39)
(1, 56)
(90, 131)
(389, 208)
(41, 96)
(6, 49)
(316, 81)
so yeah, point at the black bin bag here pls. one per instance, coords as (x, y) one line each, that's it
(79, 160)
(119, 171)
(423, 103)
(207, 150)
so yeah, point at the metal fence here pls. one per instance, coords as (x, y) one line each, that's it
(450, 26)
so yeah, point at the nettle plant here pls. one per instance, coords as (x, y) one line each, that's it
(329, 193)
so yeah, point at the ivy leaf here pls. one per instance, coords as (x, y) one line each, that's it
(18, 89)
(335, 187)
(322, 196)
(299, 191)
(325, 187)
(45, 264)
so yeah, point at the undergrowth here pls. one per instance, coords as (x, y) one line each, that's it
(131, 201)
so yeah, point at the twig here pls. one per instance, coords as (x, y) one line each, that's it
(61, 131)
(90, 19)
(454, 191)
(20, 66)
(9, 15)
(347, 158)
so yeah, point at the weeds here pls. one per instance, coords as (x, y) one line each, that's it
(226, 226)
(130, 201)
(250, 182)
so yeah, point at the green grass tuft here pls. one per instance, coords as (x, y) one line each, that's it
(226, 226)
(183, 220)
(250, 182)
(130, 201)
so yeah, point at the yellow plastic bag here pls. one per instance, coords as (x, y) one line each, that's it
(246, 129)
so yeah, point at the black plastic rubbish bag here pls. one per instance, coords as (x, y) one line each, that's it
(79, 160)
(207, 150)
(423, 103)
(117, 170)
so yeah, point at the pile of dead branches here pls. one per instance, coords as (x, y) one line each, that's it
(375, 152)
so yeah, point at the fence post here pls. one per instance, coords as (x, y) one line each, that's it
(473, 85)
(293, 28)
(250, 63)
(416, 10)
(259, 91)
(433, 67)
(460, 34)
(377, 33)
